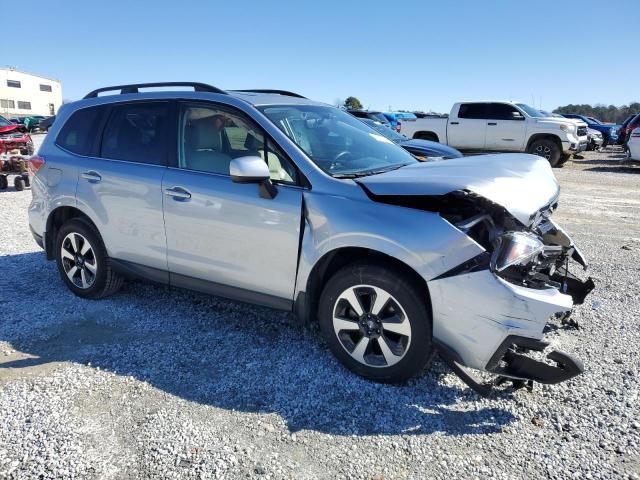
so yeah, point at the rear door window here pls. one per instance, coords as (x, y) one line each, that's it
(79, 132)
(472, 110)
(137, 132)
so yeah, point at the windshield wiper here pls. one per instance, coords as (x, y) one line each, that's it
(366, 173)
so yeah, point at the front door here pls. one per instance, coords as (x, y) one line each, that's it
(222, 236)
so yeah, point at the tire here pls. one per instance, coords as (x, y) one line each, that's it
(4, 183)
(18, 183)
(394, 351)
(27, 180)
(548, 149)
(93, 276)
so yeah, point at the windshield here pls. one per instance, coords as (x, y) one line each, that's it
(4, 122)
(337, 142)
(532, 112)
(385, 130)
(595, 120)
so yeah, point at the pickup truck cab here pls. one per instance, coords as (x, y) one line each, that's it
(503, 127)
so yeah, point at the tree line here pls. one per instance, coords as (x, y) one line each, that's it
(604, 113)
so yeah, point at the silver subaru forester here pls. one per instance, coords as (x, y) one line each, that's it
(266, 197)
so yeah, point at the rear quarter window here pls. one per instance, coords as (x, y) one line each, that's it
(80, 130)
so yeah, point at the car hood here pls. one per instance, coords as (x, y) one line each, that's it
(522, 184)
(9, 129)
(561, 121)
(431, 149)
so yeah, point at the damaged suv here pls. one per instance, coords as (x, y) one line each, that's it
(267, 197)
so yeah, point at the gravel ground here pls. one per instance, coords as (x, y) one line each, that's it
(162, 383)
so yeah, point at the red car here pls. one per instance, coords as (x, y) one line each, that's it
(13, 137)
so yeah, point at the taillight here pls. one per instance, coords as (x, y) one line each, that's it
(398, 125)
(36, 163)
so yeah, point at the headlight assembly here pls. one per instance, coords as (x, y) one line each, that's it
(567, 128)
(515, 248)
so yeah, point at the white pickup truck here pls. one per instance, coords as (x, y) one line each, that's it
(503, 126)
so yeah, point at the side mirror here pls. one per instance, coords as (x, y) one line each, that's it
(516, 116)
(252, 169)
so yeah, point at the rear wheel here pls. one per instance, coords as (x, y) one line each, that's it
(376, 322)
(4, 183)
(548, 149)
(83, 262)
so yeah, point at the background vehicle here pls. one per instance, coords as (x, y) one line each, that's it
(634, 144)
(274, 199)
(13, 137)
(16, 165)
(46, 123)
(422, 149)
(596, 140)
(625, 131)
(372, 115)
(393, 120)
(503, 126)
(609, 131)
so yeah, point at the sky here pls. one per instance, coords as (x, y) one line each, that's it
(416, 55)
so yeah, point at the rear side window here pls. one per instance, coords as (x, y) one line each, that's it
(472, 110)
(137, 132)
(79, 131)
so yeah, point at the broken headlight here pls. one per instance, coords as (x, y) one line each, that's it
(515, 248)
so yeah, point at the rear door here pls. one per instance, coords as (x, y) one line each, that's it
(223, 237)
(119, 185)
(467, 130)
(506, 127)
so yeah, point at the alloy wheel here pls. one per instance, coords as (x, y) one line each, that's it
(79, 260)
(371, 326)
(543, 151)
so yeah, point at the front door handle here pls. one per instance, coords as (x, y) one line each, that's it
(178, 193)
(492, 123)
(92, 176)
(454, 123)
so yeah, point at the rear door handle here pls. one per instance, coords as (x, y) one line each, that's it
(178, 193)
(92, 176)
(492, 123)
(454, 123)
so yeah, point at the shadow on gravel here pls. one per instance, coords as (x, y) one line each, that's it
(615, 169)
(220, 353)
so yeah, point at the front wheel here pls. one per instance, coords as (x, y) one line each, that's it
(376, 322)
(548, 149)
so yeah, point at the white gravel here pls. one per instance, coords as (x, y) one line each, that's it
(162, 383)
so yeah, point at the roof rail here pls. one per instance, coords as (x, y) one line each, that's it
(133, 88)
(266, 90)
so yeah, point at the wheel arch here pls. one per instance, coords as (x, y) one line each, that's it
(55, 220)
(306, 302)
(426, 135)
(546, 136)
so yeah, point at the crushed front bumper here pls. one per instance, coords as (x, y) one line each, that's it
(486, 323)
